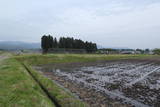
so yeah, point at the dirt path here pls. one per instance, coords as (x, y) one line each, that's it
(2, 57)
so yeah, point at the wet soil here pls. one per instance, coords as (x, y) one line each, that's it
(119, 83)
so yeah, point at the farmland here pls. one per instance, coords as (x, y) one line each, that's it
(132, 82)
(70, 80)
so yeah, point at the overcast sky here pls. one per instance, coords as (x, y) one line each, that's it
(110, 23)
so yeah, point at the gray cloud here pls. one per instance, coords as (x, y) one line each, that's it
(117, 23)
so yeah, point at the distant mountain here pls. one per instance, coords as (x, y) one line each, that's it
(18, 45)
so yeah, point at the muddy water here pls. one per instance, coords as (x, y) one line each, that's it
(125, 83)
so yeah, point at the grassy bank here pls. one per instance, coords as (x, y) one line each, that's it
(18, 89)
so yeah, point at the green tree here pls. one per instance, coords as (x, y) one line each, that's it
(55, 43)
(44, 44)
(156, 51)
(50, 41)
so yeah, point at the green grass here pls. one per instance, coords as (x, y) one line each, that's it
(67, 58)
(1, 52)
(18, 89)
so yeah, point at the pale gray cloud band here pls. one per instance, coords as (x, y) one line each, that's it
(117, 23)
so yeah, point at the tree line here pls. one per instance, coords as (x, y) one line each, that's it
(48, 42)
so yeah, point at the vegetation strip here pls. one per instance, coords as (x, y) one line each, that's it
(18, 89)
(42, 87)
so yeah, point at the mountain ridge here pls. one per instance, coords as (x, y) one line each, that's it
(17, 45)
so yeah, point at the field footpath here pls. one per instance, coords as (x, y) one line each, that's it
(42, 87)
(18, 89)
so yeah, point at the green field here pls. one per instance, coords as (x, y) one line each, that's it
(19, 87)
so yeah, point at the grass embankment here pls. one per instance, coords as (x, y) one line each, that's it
(17, 87)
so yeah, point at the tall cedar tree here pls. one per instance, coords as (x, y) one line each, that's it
(46, 43)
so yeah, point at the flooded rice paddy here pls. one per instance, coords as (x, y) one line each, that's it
(124, 83)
